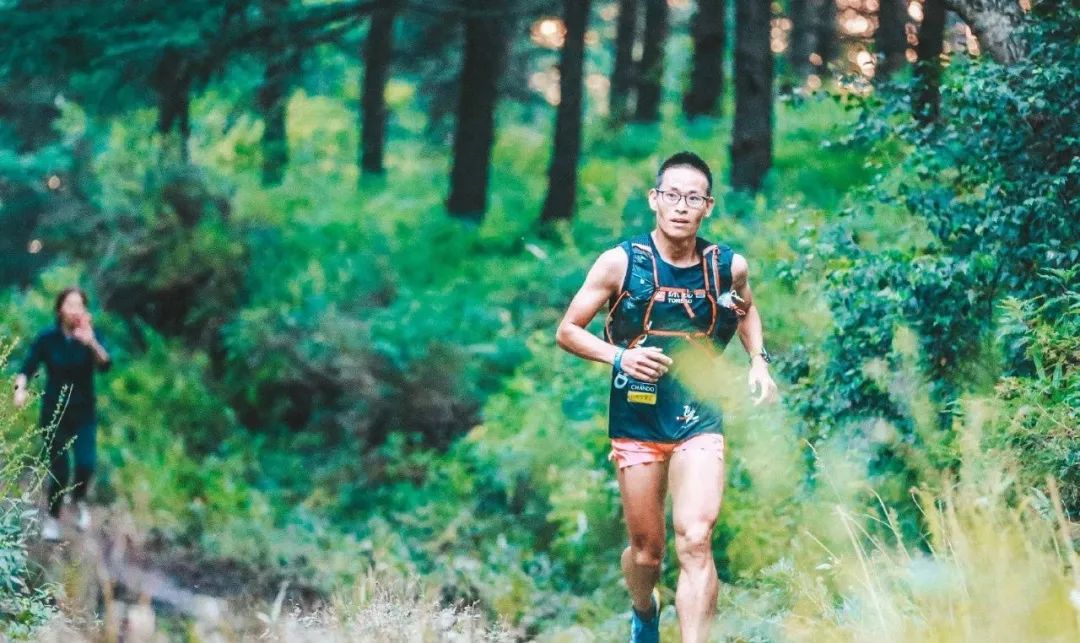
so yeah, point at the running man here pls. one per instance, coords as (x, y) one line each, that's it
(671, 290)
(70, 352)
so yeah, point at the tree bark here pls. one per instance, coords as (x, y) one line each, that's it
(751, 141)
(890, 40)
(826, 43)
(927, 98)
(485, 55)
(562, 174)
(282, 63)
(273, 102)
(707, 74)
(622, 72)
(995, 24)
(803, 39)
(171, 80)
(651, 69)
(378, 50)
(813, 32)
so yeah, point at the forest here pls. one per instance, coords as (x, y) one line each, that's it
(327, 245)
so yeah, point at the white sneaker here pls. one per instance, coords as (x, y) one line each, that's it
(82, 523)
(50, 529)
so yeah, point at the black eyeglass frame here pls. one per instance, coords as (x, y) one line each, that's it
(705, 200)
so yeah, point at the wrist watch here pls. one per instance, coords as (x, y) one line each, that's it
(764, 355)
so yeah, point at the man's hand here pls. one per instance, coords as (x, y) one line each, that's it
(84, 332)
(21, 394)
(761, 382)
(647, 363)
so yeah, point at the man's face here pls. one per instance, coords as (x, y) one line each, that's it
(680, 220)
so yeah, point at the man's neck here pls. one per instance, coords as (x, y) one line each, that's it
(677, 252)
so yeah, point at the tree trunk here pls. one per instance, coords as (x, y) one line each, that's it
(171, 81)
(485, 53)
(707, 75)
(562, 174)
(826, 43)
(651, 69)
(803, 39)
(995, 24)
(890, 39)
(926, 101)
(282, 64)
(751, 141)
(378, 49)
(622, 72)
(273, 102)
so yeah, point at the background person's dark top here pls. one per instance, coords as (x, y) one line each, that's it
(67, 362)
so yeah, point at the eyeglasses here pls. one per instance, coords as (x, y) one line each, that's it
(692, 200)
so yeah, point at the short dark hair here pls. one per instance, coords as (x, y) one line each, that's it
(64, 295)
(685, 159)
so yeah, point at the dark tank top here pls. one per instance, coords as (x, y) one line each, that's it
(672, 308)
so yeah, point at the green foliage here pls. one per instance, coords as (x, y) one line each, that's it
(23, 607)
(324, 383)
(986, 193)
(25, 603)
(123, 54)
(180, 268)
(1043, 409)
(993, 568)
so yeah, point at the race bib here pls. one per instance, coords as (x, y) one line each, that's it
(641, 393)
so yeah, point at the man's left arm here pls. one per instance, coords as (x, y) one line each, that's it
(750, 332)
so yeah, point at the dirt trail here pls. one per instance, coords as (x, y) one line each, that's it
(111, 584)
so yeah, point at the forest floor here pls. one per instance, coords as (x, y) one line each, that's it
(114, 584)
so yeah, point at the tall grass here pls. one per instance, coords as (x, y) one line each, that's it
(997, 564)
(394, 612)
(25, 603)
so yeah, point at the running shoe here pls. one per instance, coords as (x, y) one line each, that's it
(646, 630)
(50, 529)
(82, 523)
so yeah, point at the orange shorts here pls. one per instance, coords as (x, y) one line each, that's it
(626, 452)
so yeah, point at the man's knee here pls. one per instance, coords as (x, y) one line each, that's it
(647, 551)
(693, 542)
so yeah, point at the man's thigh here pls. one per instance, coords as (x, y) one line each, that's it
(696, 477)
(642, 488)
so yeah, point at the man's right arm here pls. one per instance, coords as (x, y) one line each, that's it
(603, 284)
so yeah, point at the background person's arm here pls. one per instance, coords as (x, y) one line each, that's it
(102, 359)
(84, 333)
(29, 368)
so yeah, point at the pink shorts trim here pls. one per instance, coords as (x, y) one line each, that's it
(626, 452)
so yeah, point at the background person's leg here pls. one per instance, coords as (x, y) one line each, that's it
(85, 448)
(697, 487)
(59, 466)
(642, 488)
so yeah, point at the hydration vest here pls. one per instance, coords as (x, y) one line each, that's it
(646, 307)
